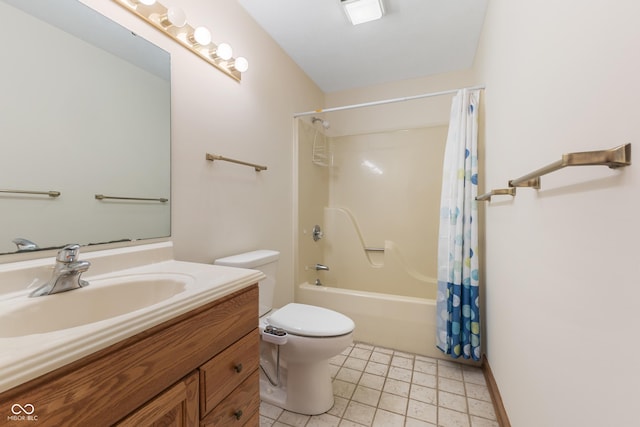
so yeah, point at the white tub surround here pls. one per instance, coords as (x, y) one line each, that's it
(25, 357)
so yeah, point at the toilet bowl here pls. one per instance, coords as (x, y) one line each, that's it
(314, 335)
(297, 342)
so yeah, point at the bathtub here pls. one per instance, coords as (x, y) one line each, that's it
(402, 323)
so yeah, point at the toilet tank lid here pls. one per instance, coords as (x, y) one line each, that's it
(249, 259)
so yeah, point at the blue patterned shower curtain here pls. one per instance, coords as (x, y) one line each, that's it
(458, 312)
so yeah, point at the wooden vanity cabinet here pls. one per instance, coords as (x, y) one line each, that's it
(201, 368)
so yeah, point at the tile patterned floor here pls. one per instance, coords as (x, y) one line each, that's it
(379, 387)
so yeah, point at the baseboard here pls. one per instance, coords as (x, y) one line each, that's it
(501, 413)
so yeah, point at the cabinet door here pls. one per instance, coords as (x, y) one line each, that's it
(176, 407)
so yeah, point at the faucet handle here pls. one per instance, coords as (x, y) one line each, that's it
(25, 244)
(69, 253)
(317, 233)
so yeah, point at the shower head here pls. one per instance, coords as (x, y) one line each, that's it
(324, 123)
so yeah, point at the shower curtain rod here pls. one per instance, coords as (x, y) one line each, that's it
(385, 101)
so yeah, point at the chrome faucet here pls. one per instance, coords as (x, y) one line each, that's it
(66, 273)
(25, 244)
(319, 267)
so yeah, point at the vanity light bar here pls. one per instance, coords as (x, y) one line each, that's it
(173, 22)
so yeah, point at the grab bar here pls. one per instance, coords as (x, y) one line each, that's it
(613, 158)
(213, 157)
(103, 197)
(46, 193)
(374, 249)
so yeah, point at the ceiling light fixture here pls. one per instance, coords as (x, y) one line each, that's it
(361, 11)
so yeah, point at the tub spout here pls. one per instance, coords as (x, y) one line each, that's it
(322, 267)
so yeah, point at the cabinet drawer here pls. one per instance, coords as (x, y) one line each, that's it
(220, 375)
(240, 407)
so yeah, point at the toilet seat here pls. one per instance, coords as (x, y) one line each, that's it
(311, 321)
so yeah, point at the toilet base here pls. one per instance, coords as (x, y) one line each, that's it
(295, 393)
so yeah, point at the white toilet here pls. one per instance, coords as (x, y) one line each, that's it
(297, 342)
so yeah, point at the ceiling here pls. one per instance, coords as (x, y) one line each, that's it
(415, 38)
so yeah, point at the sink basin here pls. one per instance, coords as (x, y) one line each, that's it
(102, 299)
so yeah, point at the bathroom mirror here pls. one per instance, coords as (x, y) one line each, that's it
(84, 110)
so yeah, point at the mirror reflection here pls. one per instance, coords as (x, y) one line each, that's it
(85, 110)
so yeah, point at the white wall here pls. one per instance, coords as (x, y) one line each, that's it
(562, 270)
(220, 208)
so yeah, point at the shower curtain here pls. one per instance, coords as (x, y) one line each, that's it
(458, 313)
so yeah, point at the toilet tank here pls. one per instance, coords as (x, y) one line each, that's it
(263, 260)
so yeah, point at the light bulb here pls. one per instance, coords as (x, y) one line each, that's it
(241, 64)
(175, 17)
(201, 36)
(224, 51)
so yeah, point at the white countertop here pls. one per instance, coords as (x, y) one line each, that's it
(23, 358)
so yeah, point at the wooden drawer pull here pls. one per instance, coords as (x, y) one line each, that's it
(238, 368)
(238, 414)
